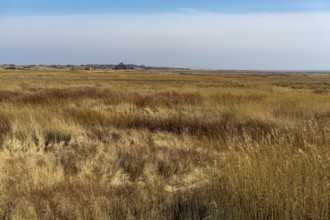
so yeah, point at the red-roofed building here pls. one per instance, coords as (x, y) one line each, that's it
(121, 66)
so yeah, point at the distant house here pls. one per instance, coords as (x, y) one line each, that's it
(88, 68)
(120, 66)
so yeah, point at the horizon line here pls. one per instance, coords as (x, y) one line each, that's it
(172, 67)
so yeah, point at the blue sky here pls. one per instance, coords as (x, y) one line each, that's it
(154, 6)
(215, 34)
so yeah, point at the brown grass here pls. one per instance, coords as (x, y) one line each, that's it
(164, 145)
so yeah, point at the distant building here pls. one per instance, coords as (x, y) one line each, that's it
(88, 68)
(120, 66)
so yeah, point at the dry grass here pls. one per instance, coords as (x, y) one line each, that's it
(164, 145)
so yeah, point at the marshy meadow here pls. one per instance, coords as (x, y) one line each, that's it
(144, 144)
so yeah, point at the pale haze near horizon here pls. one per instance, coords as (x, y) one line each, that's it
(193, 39)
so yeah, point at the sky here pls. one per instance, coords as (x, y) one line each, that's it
(198, 34)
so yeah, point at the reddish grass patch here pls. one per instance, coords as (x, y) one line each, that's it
(179, 124)
(50, 95)
(8, 95)
(108, 97)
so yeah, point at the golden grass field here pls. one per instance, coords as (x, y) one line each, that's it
(164, 145)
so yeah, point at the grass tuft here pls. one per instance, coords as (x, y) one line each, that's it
(55, 137)
(132, 162)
